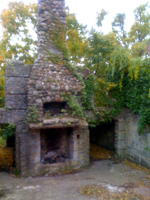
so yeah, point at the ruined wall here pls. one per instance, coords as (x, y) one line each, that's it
(16, 77)
(130, 144)
(136, 143)
(45, 82)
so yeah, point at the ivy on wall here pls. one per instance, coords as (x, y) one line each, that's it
(77, 104)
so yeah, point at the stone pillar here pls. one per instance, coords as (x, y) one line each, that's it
(16, 77)
(35, 147)
(50, 14)
(81, 145)
(121, 135)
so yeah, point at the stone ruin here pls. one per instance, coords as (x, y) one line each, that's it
(52, 139)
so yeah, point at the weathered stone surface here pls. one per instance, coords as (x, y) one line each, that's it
(3, 116)
(65, 120)
(48, 122)
(130, 144)
(16, 101)
(15, 85)
(18, 69)
(52, 80)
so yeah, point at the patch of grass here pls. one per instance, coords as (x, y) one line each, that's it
(2, 143)
(96, 191)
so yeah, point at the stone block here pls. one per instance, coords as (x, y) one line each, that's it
(16, 101)
(3, 116)
(16, 116)
(15, 85)
(18, 69)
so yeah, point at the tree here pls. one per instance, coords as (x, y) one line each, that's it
(76, 39)
(118, 27)
(19, 38)
(140, 31)
(100, 17)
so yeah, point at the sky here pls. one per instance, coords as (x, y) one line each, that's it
(86, 10)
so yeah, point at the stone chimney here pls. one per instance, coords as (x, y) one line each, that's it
(50, 77)
(50, 14)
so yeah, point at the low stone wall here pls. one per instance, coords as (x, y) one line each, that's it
(130, 144)
(138, 146)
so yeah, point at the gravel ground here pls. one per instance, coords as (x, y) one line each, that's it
(66, 187)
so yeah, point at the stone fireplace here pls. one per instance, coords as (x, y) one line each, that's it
(48, 138)
(57, 139)
(56, 145)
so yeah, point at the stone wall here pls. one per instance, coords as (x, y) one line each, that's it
(130, 144)
(3, 116)
(16, 77)
(138, 146)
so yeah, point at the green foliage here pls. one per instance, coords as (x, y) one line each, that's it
(63, 111)
(18, 41)
(88, 91)
(76, 108)
(2, 142)
(33, 114)
(76, 39)
(140, 28)
(118, 28)
(100, 17)
(7, 130)
(132, 86)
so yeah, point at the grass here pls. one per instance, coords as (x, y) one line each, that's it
(2, 143)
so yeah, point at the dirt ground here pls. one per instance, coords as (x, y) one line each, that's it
(114, 177)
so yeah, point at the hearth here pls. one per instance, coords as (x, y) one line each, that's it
(56, 145)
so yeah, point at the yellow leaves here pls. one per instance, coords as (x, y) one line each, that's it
(6, 158)
(100, 192)
(97, 152)
(135, 166)
(136, 72)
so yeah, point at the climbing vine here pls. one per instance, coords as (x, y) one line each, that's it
(32, 115)
(76, 104)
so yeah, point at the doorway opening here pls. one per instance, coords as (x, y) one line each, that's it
(102, 141)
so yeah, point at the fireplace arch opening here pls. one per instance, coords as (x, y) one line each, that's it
(55, 108)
